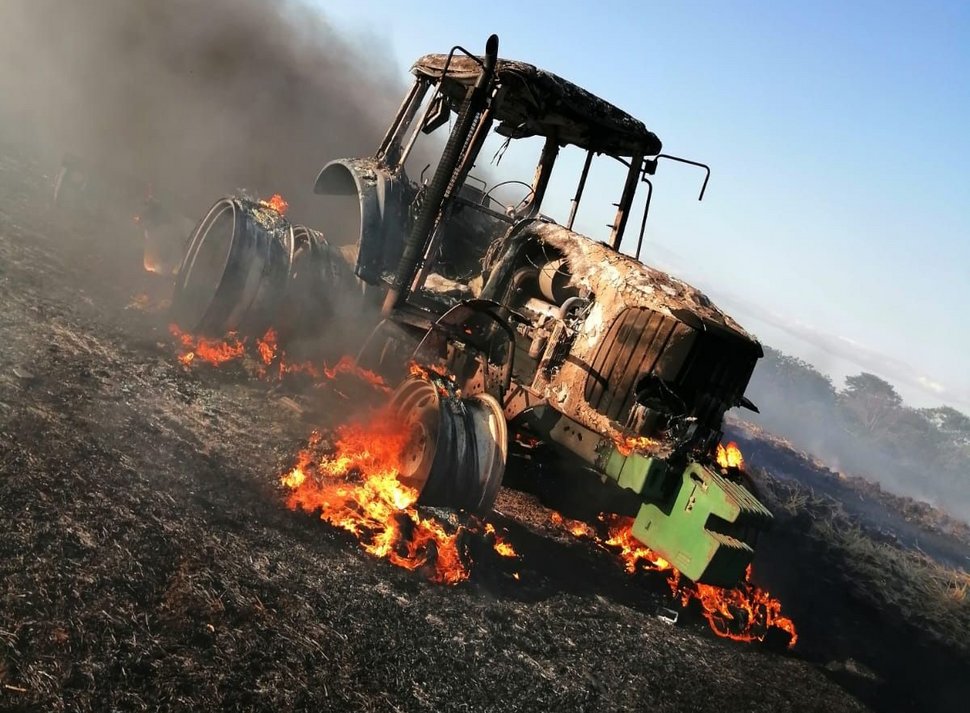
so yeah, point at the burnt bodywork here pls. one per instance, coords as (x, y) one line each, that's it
(623, 369)
(534, 102)
(629, 351)
(647, 354)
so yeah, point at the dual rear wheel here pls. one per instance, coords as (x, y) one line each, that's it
(246, 269)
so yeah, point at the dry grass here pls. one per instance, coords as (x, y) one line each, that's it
(905, 582)
(913, 584)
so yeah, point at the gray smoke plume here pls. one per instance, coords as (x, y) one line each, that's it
(197, 97)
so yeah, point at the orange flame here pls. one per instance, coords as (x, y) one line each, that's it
(355, 487)
(347, 365)
(436, 374)
(629, 444)
(744, 613)
(353, 482)
(630, 550)
(730, 456)
(210, 351)
(427, 371)
(502, 546)
(576, 528)
(277, 203)
(267, 347)
(267, 352)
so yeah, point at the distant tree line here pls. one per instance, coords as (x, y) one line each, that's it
(865, 429)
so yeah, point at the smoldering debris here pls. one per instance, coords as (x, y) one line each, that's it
(198, 98)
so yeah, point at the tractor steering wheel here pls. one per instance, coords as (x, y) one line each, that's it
(509, 210)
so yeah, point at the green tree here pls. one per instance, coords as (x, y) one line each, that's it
(871, 403)
(950, 421)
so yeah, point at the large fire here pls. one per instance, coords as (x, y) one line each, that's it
(350, 480)
(353, 485)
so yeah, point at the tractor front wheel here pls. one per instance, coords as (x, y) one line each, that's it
(457, 447)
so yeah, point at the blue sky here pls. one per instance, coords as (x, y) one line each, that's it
(837, 221)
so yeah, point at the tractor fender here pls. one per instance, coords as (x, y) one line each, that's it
(382, 202)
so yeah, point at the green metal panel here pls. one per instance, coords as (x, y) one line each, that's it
(700, 521)
(702, 527)
(641, 474)
(612, 464)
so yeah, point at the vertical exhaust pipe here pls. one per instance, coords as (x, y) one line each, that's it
(451, 159)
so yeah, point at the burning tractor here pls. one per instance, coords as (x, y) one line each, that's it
(505, 331)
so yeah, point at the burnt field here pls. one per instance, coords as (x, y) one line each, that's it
(148, 560)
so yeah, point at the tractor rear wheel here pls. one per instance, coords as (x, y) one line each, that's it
(322, 305)
(234, 270)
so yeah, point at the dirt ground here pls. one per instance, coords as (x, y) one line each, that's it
(147, 561)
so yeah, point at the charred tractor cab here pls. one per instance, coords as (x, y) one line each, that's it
(546, 337)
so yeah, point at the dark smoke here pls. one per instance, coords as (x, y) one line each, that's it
(198, 97)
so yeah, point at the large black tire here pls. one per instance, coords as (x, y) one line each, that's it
(235, 270)
(457, 448)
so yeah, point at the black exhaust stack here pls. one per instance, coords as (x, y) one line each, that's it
(443, 183)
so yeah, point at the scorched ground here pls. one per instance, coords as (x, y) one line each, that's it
(148, 559)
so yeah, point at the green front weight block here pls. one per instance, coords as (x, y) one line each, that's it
(705, 528)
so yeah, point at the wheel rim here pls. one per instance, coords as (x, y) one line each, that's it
(204, 266)
(457, 448)
(417, 402)
(492, 441)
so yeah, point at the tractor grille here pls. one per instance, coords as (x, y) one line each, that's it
(707, 370)
(715, 375)
(636, 344)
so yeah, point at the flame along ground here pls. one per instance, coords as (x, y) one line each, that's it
(350, 480)
(352, 484)
(744, 613)
(270, 361)
(356, 488)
